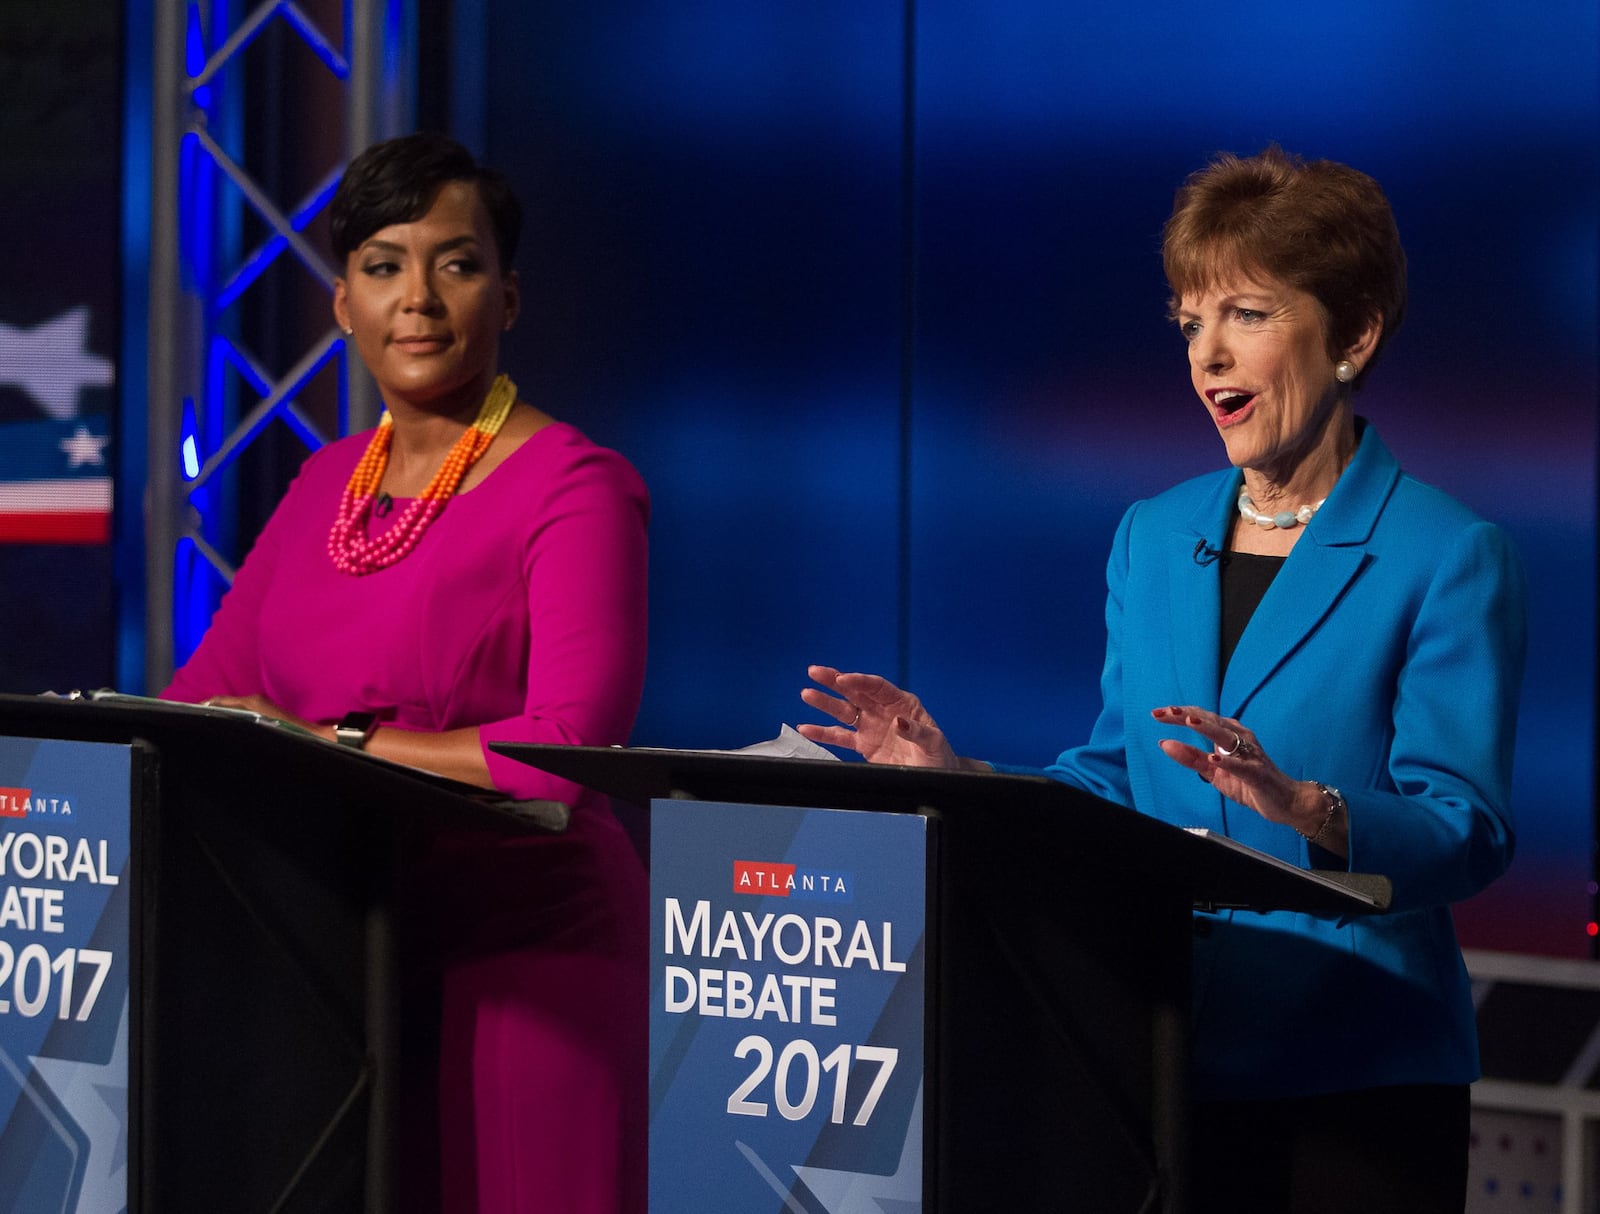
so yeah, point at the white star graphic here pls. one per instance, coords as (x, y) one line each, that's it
(95, 1096)
(858, 1192)
(51, 362)
(83, 447)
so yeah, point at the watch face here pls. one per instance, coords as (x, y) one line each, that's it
(355, 729)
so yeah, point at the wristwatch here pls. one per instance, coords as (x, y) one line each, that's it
(354, 729)
(1336, 806)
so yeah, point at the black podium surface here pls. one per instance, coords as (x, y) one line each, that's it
(264, 954)
(1216, 871)
(1059, 942)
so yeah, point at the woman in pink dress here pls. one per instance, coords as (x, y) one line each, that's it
(472, 571)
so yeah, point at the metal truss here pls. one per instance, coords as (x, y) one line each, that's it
(226, 365)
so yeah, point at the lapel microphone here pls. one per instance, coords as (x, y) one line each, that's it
(385, 503)
(1205, 554)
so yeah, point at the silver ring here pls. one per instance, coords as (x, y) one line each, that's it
(1238, 744)
(856, 718)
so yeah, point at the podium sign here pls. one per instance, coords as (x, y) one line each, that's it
(64, 943)
(788, 989)
(1051, 953)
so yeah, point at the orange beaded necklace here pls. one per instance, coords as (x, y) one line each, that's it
(353, 552)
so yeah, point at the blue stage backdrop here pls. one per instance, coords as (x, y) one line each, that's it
(872, 296)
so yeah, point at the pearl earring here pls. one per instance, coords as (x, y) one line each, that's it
(349, 332)
(1344, 370)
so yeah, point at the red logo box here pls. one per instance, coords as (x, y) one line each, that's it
(762, 877)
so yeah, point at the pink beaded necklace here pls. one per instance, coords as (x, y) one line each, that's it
(348, 544)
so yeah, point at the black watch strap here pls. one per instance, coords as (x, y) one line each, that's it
(355, 728)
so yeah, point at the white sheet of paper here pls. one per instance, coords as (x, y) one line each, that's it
(787, 745)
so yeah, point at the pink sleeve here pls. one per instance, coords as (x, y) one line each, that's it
(585, 567)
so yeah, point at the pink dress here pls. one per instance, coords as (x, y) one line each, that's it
(521, 611)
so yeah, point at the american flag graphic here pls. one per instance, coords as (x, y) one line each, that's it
(55, 482)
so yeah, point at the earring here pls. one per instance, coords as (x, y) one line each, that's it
(1344, 370)
(349, 332)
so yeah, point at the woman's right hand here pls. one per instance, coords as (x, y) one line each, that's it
(877, 720)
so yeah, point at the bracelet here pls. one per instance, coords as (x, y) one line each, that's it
(1335, 803)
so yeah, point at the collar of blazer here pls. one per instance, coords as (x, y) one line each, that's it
(1349, 515)
(1309, 586)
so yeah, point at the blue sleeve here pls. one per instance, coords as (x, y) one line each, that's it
(1446, 829)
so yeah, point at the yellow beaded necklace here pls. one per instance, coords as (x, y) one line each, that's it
(348, 544)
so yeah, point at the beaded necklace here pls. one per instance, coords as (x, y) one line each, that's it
(1284, 518)
(348, 544)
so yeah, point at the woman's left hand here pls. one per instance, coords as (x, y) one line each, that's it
(264, 706)
(1241, 771)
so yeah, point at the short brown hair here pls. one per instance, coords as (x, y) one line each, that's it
(1320, 226)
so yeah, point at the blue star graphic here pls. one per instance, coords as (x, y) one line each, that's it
(858, 1192)
(95, 1096)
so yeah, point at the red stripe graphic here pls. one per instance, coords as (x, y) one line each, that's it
(55, 527)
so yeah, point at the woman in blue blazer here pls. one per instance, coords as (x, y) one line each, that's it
(1336, 651)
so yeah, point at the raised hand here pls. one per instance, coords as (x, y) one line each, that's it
(878, 720)
(1240, 769)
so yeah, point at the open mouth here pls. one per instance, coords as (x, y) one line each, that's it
(1230, 404)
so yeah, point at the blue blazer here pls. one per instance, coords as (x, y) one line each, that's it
(1386, 660)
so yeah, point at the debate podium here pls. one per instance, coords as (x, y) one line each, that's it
(263, 956)
(1051, 981)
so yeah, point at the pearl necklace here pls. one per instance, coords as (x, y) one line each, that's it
(1284, 518)
(352, 551)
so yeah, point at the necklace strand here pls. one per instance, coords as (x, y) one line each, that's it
(1284, 518)
(352, 550)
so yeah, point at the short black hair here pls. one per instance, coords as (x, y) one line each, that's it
(396, 181)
